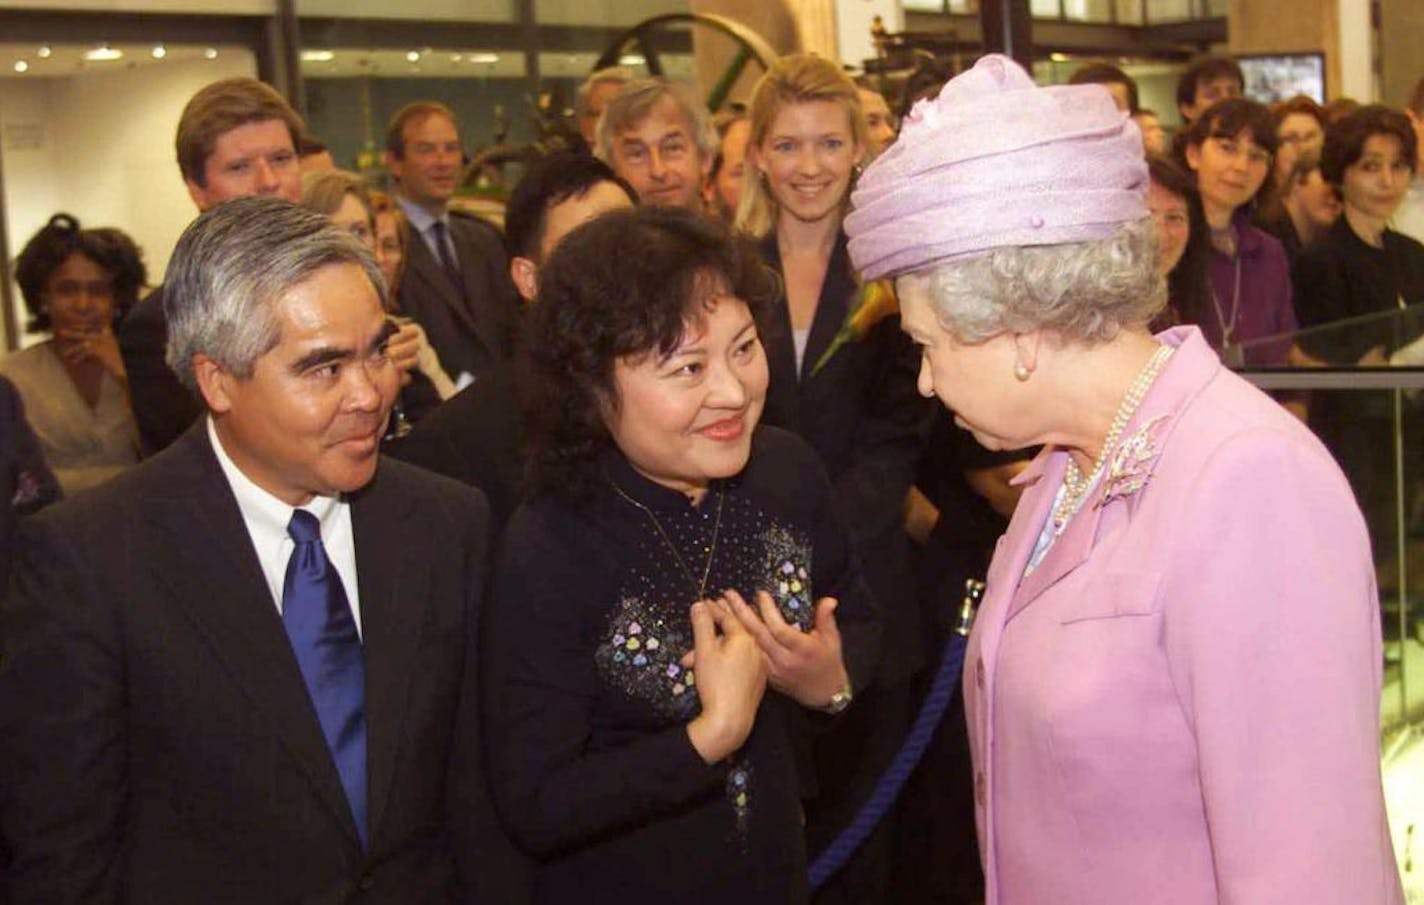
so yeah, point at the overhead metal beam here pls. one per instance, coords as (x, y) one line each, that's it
(1169, 41)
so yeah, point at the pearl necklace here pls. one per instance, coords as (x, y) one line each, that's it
(1075, 484)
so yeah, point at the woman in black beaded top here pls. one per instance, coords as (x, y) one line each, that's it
(673, 562)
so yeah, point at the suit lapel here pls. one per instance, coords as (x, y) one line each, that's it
(425, 266)
(483, 303)
(392, 592)
(784, 392)
(1069, 550)
(837, 289)
(211, 569)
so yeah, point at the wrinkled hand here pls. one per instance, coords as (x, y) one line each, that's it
(75, 346)
(805, 666)
(730, 682)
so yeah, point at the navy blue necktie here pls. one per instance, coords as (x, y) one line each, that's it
(328, 649)
(447, 257)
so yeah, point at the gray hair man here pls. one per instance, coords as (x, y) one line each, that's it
(245, 668)
(658, 136)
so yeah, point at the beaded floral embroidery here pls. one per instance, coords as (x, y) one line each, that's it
(787, 576)
(1132, 463)
(739, 792)
(641, 654)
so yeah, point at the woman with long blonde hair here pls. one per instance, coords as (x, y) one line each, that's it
(854, 403)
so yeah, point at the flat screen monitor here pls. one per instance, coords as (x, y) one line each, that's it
(1278, 77)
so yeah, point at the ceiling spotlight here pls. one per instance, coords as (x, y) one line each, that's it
(22, 66)
(159, 52)
(318, 56)
(413, 56)
(103, 54)
(483, 58)
(44, 52)
(1058, 57)
(210, 54)
(631, 59)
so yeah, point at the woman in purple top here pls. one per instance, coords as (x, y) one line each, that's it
(1230, 149)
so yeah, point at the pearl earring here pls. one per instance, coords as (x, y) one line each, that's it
(1021, 372)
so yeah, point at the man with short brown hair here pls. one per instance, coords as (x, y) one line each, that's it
(456, 283)
(236, 137)
(659, 136)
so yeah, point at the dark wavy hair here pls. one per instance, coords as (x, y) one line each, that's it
(626, 284)
(62, 236)
(1228, 119)
(1189, 283)
(1345, 140)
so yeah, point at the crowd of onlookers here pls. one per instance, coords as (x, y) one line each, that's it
(1274, 225)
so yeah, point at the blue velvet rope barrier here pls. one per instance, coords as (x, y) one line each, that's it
(888, 787)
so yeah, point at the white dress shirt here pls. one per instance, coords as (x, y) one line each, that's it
(267, 518)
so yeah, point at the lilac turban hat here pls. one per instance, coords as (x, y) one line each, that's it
(996, 161)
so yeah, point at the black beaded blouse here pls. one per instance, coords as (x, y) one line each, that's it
(591, 764)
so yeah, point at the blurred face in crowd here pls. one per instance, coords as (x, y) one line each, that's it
(388, 246)
(79, 297)
(1417, 121)
(560, 220)
(1298, 133)
(1154, 139)
(879, 122)
(256, 158)
(429, 169)
(1316, 199)
(1230, 170)
(1375, 184)
(1174, 226)
(317, 162)
(726, 189)
(352, 216)
(659, 157)
(309, 419)
(808, 157)
(1208, 92)
(599, 94)
(687, 419)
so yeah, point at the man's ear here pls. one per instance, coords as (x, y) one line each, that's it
(393, 164)
(214, 383)
(525, 274)
(198, 194)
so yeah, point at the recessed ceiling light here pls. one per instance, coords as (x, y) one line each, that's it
(44, 52)
(1058, 57)
(22, 66)
(483, 58)
(210, 54)
(159, 52)
(413, 56)
(318, 56)
(631, 59)
(103, 54)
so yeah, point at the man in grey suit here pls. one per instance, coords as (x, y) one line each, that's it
(456, 283)
(245, 670)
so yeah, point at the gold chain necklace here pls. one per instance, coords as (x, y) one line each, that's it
(1075, 484)
(699, 587)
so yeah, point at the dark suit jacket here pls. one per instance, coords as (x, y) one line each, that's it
(26, 483)
(157, 743)
(162, 406)
(469, 330)
(475, 437)
(864, 417)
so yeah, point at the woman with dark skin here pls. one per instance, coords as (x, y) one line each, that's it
(77, 283)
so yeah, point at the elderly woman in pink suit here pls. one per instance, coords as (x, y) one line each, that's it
(1173, 682)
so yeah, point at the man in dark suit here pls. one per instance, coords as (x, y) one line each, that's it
(245, 670)
(456, 282)
(477, 436)
(236, 137)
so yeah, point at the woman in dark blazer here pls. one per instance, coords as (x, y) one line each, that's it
(855, 403)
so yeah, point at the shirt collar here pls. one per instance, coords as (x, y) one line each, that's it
(260, 508)
(420, 219)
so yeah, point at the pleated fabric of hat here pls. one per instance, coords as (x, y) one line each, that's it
(996, 161)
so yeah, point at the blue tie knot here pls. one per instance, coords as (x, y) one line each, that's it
(304, 527)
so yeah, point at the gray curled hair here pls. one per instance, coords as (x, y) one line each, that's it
(1084, 291)
(230, 268)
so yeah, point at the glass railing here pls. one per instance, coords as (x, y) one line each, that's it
(1361, 384)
